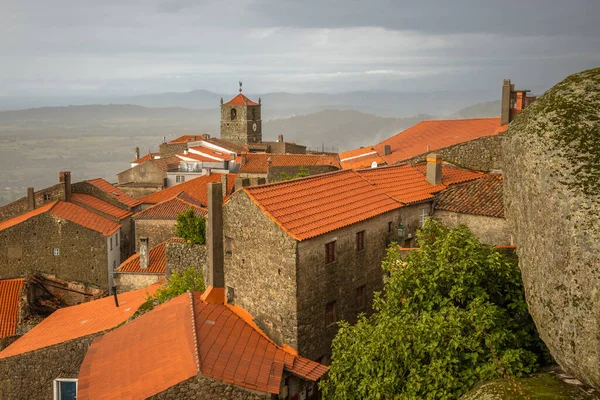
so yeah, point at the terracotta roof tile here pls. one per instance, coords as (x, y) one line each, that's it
(167, 164)
(25, 216)
(259, 162)
(360, 158)
(436, 134)
(196, 188)
(114, 192)
(157, 261)
(225, 145)
(147, 157)
(85, 218)
(100, 205)
(198, 157)
(171, 208)
(186, 138)
(482, 196)
(10, 294)
(318, 204)
(240, 100)
(77, 321)
(451, 174)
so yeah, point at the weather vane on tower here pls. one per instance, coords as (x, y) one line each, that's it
(240, 86)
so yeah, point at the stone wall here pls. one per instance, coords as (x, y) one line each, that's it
(128, 281)
(319, 283)
(489, 230)
(18, 207)
(31, 375)
(239, 131)
(180, 256)
(87, 188)
(156, 230)
(28, 247)
(171, 149)
(274, 173)
(261, 268)
(481, 154)
(146, 172)
(204, 388)
(140, 190)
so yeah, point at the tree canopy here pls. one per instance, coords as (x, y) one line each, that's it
(451, 314)
(190, 227)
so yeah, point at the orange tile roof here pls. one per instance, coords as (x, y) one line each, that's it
(157, 262)
(167, 164)
(10, 294)
(171, 208)
(114, 192)
(147, 157)
(71, 212)
(360, 158)
(240, 100)
(196, 188)
(214, 341)
(100, 205)
(225, 145)
(259, 162)
(482, 196)
(186, 138)
(200, 157)
(81, 320)
(451, 174)
(436, 134)
(318, 204)
(208, 152)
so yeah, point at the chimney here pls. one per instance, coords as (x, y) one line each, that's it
(164, 139)
(185, 151)
(387, 150)
(434, 169)
(144, 253)
(65, 177)
(137, 153)
(215, 292)
(30, 199)
(280, 138)
(241, 182)
(505, 111)
(243, 159)
(224, 183)
(208, 171)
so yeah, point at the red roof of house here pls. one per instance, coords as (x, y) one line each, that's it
(71, 212)
(114, 192)
(187, 138)
(360, 158)
(167, 164)
(225, 145)
(157, 261)
(437, 134)
(196, 188)
(451, 174)
(10, 294)
(482, 196)
(147, 157)
(180, 339)
(311, 206)
(100, 205)
(81, 320)
(171, 208)
(259, 162)
(240, 100)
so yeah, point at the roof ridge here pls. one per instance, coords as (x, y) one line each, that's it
(196, 350)
(304, 178)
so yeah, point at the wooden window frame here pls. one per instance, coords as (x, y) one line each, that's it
(360, 240)
(390, 227)
(330, 256)
(330, 313)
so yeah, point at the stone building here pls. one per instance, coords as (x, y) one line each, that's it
(63, 239)
(45, 361)
(314, 246)
(241, 121)
(479, 205)
(273, 166)
(148, 176)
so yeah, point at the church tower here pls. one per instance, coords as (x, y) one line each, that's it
(241, 122)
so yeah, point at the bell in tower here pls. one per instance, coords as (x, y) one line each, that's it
(241, 122)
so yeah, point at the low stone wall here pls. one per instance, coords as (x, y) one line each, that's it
(274, 173)
(481, 154)
(156, 230)
(126, 282)
(31, 375)
(205, 388)
(181, 256)
(139, 191)
(489, 230)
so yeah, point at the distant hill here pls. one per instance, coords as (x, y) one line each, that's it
(480, 110)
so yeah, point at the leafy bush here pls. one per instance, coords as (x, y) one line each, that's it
(452, 314)
(302, 172)
(190, 227)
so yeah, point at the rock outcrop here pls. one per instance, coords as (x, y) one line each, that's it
(552, 202)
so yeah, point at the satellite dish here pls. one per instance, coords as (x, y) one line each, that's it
(374, 164)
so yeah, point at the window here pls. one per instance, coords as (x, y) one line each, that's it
(233, 113)
(111, 243)
(330, 316)
(330, 252)
(228, 246)
(230, 294)
(361, 297)
(46, 196)
(360, 240)
(390, 227)
(56, 252)
(424, 214)
(117, 239)
(179, 178)
(65, 389)
(114, 264)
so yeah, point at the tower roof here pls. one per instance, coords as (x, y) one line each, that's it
(241, 100)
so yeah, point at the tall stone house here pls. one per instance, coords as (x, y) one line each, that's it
(241, 122)
(314, 246)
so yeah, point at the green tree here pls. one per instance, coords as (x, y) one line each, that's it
(302, 172)
(451, 314)
(190, 227)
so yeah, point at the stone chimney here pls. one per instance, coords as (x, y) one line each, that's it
(240, 183)
(144, 253)
(30, 199)
(506, 93)
(387, 150)
(65, 177)
(137, 153)
(280, 138)
(434, 169)
(224, 183)
(215, 292)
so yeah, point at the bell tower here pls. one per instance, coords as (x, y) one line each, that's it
(241, 122)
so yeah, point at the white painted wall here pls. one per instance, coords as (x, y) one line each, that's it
(114, 255)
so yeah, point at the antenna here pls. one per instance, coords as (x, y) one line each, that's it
(240, 86)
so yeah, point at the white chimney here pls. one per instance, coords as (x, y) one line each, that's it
(144, 253)
(434, 169)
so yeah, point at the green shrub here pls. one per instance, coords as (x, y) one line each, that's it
(190, 227)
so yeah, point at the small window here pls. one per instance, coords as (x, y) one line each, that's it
(233, 113)
(390, 227)
(424, 214)
(228, 246)
(330, 252)
(65, 389)
(46, 196)
(56, 252)
(330, 316)
(361, 297)
(111, 243)
(114, 265)
(179, 178)
(117, 240)
(360, 240)
(230, 295)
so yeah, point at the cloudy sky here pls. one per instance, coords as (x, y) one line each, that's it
(125, 47)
